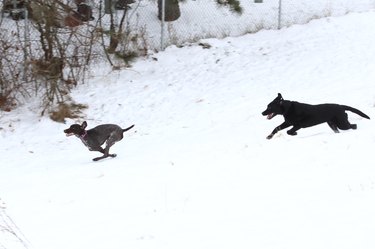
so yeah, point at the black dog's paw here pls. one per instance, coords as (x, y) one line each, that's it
(291, 132)
(270, 136)
(113, 155)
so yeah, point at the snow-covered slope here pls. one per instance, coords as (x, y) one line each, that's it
(197, 172)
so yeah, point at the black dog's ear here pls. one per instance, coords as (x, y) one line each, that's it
(280, 98)
(84, 125)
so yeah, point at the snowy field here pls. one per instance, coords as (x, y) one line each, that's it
(197, 171)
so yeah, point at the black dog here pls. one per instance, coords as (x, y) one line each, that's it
(301, 115)
(94, 138)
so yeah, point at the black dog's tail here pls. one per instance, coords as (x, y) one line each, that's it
(123, 130)
(348, 108)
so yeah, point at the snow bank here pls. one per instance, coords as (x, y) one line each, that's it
(197, 170)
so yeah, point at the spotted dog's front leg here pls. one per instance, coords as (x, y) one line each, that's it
(105, 151)
(278, 128)
(99, 149)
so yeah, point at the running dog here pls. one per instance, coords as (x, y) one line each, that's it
(95, 137)
(300, 115)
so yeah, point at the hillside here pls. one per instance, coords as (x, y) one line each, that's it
(197, 171)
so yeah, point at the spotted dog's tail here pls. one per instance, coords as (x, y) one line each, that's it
(126, 129)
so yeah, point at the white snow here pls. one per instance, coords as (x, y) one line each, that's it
(197, 171)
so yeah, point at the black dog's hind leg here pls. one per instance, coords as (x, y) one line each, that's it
(347, 126)
(343, 123)
(278, 128)
(333, 126)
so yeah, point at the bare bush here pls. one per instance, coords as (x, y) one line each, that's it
(59, 59)
(11, 72)
(10, 235)
(67, 110)
(49, 54)
(124, 38)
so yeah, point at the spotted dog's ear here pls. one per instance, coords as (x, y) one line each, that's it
(84, 125)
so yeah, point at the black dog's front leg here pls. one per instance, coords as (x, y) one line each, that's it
(278, 128)
(294, 130)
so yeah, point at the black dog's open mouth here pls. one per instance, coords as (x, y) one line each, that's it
(271, 115)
